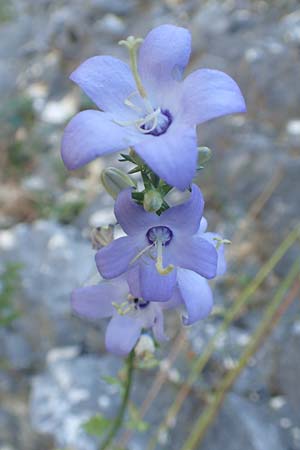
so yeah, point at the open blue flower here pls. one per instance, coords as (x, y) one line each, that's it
(155, 246)
(129, 312)
(150, 107)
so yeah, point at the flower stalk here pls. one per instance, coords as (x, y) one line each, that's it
(118, 421)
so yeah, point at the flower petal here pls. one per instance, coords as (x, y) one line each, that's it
(163, 56)
(91, 134)
(195, 254)
(210, 237)
(203, 225)
(156, 287)
(108, 82)
(133, 280)
(185, 217)
(158, 326)
(94, 302)
(172, 156)
(132, 217)
(208, 94)
(114, 259)
(122, 334)
(196, 294)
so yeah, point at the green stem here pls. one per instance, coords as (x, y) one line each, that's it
(273, 313)
(122, 410)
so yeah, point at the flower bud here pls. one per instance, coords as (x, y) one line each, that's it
(115, 181)
(145, 345)
(102, 236)
(204, 155)
(152, 201)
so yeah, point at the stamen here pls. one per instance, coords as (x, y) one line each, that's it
(122, 308)
(131, 105)
(132, 43)
(159, 261)
(153, 116)
(220, 241)
(141, 253)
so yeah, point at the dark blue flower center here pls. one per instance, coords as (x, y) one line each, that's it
(160, 233)
(140, 303)
(164, 120)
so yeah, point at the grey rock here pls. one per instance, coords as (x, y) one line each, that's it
(69, 393)
(54, 260)
(252, 424)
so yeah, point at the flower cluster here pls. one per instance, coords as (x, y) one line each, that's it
(166, 255)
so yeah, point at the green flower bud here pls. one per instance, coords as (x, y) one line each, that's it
(115, 181)
(204, 155)
(152, 201)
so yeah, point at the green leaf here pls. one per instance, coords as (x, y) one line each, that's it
(96, 425)
(135, 422)
(112, 380)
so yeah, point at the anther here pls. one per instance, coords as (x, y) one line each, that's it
(220, 241)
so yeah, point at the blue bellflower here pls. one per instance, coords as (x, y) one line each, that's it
(155, 246)
(130, 313)
(150, 107)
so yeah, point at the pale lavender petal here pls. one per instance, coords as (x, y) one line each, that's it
(208, 94)
(172, 156)
(115, 258)
(163, 56)
(174, 302)
(158, 326)
(94, 302)
(108, 82)
(211, 237)
(91, 134)
(196, 294)
(185, 217)
(195, 254)
(132, 217)
(203, 225)
(122, 334)
(156, 287)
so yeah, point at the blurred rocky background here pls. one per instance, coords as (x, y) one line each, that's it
(51, 363)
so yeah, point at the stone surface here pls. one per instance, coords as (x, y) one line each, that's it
(41, 42)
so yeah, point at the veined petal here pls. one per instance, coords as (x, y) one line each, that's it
(91, 134)
(185, 217)
(132, 217)
(133, 280)
(196, 294)
(163, 56)
(122, 334)
(114, 259)
(208, 94)
(156, 287)
(172, 156)
(94, 302)
(195, 254)
(108, 82)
